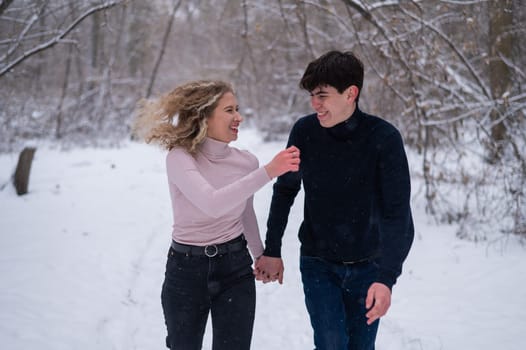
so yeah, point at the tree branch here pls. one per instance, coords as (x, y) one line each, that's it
(23, 33)
(163, 47)
(57, 39)
(454, 48)
(4, 5)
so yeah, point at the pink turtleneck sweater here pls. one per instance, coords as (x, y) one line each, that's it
(212, 194)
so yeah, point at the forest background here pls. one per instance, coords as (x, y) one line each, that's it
(449, 74)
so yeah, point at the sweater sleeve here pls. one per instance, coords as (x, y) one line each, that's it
(285, 190)
(183, 172)
(251, 229)
(395, 224)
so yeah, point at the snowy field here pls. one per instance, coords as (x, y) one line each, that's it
(82, 261)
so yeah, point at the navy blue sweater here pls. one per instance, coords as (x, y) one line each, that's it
(357, 190)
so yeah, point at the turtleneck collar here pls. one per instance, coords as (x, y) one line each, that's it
(344, 130)
(214, 149)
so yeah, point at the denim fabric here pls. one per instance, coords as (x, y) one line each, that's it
(195, 286)
(335, 298)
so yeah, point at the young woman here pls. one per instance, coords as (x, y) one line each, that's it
(209, 268)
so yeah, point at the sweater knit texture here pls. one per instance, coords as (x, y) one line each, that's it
(212, 194)
(355, 177)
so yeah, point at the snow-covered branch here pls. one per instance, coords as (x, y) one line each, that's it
(4, 5)
(58, 38)
(453, 47)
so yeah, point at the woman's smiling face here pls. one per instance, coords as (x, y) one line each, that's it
(224, 122)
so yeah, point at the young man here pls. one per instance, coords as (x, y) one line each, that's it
(357, 227)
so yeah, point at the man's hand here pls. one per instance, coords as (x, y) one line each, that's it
(379, 298)
(269, 269)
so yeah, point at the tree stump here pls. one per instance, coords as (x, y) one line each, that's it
(21, 178)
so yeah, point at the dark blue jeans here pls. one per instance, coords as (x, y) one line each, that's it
(195, 286)
(335, 298)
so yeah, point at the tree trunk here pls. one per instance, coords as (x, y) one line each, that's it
(4, 4)
(21, 178)
(163, 48)
(60, 115)
(95, 41)
(500, 41)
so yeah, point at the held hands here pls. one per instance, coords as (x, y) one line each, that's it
(269, 269)
(377, 302)
(285, 161)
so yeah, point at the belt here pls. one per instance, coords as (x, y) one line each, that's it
(359, 261)
(211, 250)
(354, 262)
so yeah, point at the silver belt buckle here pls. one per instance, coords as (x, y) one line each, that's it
(213, 253)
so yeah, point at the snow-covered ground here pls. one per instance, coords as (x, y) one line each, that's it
(82, 260)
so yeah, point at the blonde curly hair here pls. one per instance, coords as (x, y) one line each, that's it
(191, 104)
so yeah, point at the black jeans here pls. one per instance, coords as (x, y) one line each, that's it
(196, 285)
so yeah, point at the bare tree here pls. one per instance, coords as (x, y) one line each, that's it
(450, 74)
(4, 5)
(500, 51)
(162, 48)
(7, 65)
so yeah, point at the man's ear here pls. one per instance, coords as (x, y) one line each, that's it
(352, 93)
